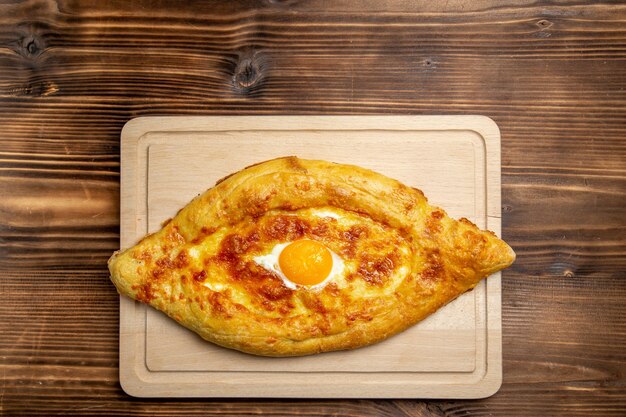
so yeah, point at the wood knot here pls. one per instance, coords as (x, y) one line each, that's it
(247, 74)
(428, 64)
(31, 47)
(250, 71)
(544, 24)
(543, 31)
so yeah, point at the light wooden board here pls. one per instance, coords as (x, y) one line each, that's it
(455, 160)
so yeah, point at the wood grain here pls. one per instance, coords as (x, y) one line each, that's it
(453, 354)
(551, 74)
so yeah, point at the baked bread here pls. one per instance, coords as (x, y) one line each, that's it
(295, 257)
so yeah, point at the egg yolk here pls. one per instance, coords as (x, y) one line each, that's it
(305, 262)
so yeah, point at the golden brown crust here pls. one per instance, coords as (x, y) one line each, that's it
(404, 259)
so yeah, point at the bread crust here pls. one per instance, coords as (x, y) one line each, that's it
(409, 259)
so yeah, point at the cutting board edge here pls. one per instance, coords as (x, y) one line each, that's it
(133, 373)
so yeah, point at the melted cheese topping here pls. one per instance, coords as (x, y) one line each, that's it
(374, 260)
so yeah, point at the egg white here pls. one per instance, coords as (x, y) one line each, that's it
(270, 262)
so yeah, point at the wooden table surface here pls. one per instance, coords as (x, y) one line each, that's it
(551, 74)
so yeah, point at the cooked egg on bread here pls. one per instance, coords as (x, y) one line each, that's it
(295, 257)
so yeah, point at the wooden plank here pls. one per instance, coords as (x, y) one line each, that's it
(551, 76)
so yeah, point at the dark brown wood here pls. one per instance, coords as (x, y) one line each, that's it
(552, 75)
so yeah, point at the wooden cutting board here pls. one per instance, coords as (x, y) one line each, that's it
(455, 160)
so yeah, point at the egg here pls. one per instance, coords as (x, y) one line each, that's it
(303, 263)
